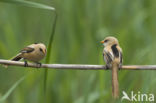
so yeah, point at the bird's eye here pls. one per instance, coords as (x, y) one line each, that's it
(41, 50)
(106, 41)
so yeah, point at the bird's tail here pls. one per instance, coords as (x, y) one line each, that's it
(17, 57)
(115, 85)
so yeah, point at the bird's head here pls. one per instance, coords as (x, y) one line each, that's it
(109, 41)
(42, 48)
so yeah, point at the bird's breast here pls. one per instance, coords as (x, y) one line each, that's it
(33, 56)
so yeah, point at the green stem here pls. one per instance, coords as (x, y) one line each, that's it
(49, 53)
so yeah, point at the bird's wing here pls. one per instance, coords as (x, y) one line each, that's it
(121, 60)
(27, 50)
(17, 57)
(108, 57)
(120, 55)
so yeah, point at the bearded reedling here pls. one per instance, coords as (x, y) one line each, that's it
(34, 52)
(113, 57)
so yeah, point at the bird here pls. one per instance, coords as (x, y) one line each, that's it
(112, 54)
(34, 52)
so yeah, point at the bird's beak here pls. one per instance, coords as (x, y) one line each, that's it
(45, 51)
(102, 41)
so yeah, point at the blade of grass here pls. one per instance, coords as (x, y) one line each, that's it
(7, 94)
(29, 4)
(49, 51)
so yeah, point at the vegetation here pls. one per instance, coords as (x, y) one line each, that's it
(81, 25)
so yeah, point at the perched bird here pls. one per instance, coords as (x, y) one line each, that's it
(34, 52)
(113, 57)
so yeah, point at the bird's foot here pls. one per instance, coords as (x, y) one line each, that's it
(25, 64)
(38, 65)
(107, 67)
(120, 66)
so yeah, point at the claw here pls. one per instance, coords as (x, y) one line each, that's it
(107, 67)
(38, 65)
(120, 66)
(25, 64)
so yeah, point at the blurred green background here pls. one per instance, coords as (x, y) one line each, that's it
(81, 25)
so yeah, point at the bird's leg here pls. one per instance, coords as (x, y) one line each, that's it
(38, 65)
(25, 64)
